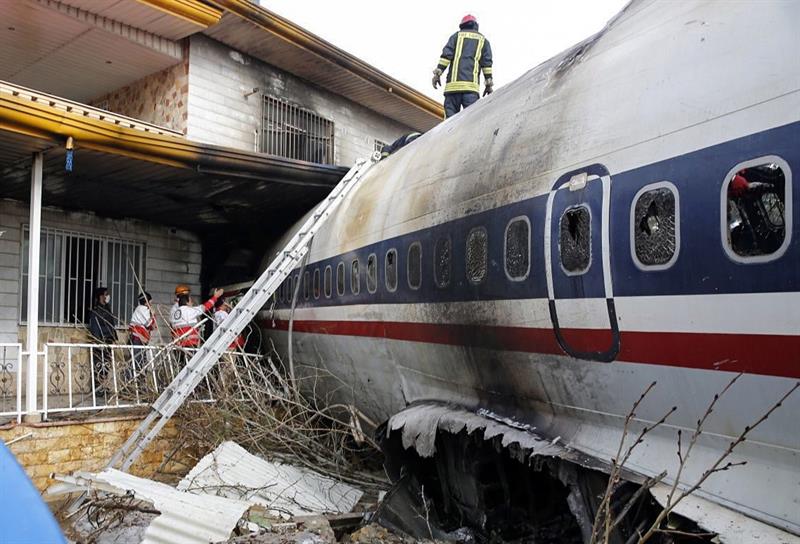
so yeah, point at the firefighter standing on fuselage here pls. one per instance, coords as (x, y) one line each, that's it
(467, 52)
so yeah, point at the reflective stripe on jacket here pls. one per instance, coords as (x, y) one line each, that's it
(185, 320)
(466, 52)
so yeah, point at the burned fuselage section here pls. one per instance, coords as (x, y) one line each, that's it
(469, 477)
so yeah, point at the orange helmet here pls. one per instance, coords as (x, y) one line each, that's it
(182, 290)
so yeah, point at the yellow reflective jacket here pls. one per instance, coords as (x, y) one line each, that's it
(466, 52)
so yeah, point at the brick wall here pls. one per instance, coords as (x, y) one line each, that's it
(219, 113)
(63, 447)
(160, 98)
(172, 256)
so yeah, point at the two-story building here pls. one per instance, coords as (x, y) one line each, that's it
(150, 143)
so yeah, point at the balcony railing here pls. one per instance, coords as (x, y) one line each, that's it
(90, 377)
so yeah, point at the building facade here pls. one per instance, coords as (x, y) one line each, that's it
(174, 141)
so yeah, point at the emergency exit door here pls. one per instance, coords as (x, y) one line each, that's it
(577, 251)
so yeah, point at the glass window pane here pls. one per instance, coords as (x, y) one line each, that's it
(328, 281)
(517, 249)
(306, 287)
(441, 262)
(575, 240)
(340, 279)
(654, 227)
(391, 270)
(316, 283)
(355, 278)
(415, 265)
(477, 253)
(372, 274)
(757, 209)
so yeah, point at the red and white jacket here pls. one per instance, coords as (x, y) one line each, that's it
(185, 320)
(142, 324)
(219, 317)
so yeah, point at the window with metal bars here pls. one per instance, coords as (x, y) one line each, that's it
(293, 132)
(72, 265)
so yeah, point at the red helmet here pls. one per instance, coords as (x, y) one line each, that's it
(468, 19)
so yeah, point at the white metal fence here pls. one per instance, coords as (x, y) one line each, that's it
(85, 377)
(11, 378)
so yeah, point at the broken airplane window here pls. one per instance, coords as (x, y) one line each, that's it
(316, 283)
(441, 262)
(415, 265)
(517, 248)
(654, 226)
(355, 278)
(391, 270)
(372, 273)
(328, 281)
(477, 241)
(306, 286)
(340, 279)
(756, 202)
(574, 241)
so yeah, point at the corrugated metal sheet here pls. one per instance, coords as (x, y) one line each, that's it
(247, 37)
(232, 472)
(186, 518)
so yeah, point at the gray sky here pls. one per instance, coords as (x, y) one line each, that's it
(405, 38)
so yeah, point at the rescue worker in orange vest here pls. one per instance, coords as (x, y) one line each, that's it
(185, 320)
(465, 52)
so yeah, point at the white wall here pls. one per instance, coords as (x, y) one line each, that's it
(172, 256)
(220, 114)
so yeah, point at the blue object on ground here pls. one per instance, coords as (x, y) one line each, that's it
(24, 516)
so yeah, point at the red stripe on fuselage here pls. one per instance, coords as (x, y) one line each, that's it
(767, 354)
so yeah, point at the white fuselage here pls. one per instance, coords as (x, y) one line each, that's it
(675, 96)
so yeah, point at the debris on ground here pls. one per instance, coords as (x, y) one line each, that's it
(229, 492)
(284, 490)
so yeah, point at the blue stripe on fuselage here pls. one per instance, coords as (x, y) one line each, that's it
(702, 267)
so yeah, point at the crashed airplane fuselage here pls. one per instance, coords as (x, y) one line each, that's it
(621, 214)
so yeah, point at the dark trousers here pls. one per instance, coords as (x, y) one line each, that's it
(455, 102)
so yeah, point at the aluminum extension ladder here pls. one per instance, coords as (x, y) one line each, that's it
(245, 311)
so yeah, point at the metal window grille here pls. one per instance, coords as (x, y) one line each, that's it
(295, 133)
(72, 265)
(379, 145)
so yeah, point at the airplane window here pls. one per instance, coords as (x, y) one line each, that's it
(340, 279)
(306, 286)
(372, 273)
(415, 265)
(574, 242)
(391, 270)
(756, 204)
(355, 278)
(289, 289)
(316, 283)
(328, 281)
(296, 286)
(654, 226)
(477, 240)
(441, 262)
(517, 248)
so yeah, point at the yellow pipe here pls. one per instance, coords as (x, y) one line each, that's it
(298, 36)
(193, 11)
(43, 121)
